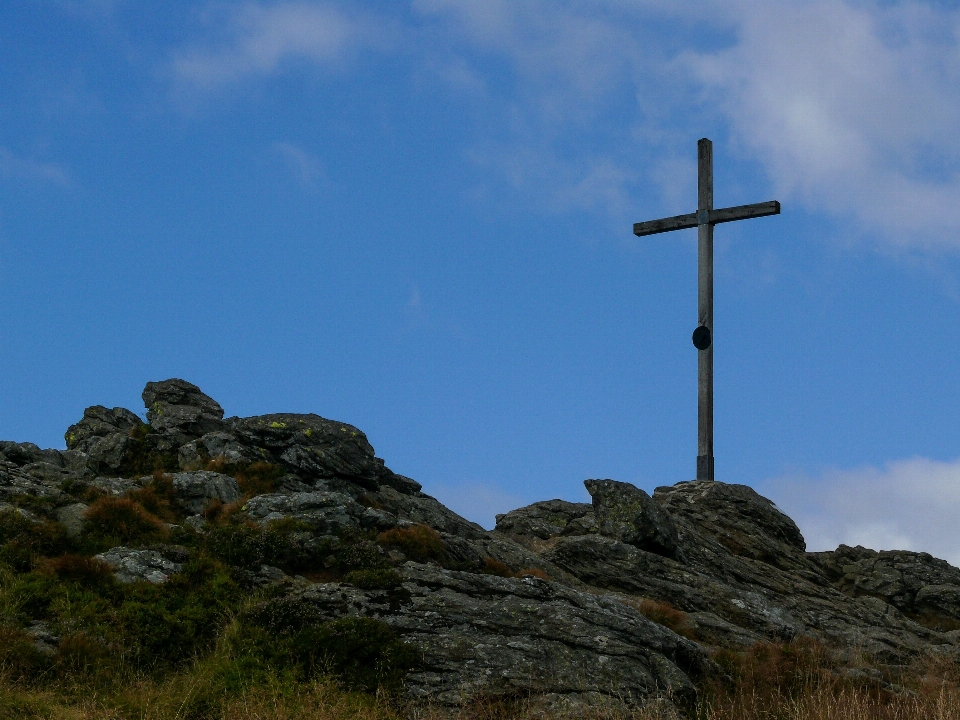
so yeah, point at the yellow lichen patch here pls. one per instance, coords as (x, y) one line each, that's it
(277, 425)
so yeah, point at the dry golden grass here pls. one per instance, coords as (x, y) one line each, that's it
(323, 700)
(791, 681)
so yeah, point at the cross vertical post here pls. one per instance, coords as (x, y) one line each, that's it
(705, 309)
(704, 219)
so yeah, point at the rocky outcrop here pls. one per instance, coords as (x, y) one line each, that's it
(326, 513)
(544, 604)
(178, 408)
(628, 514)
(479, 634)
(917, 584)
(196, 490)
(547, 519)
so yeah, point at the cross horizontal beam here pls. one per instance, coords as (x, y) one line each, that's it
(713, 217)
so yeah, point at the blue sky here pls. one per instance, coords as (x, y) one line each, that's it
(416, 217)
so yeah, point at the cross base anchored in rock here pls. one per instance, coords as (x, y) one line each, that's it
(704, 220)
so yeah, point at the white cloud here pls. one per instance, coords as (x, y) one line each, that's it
(905, 505)
(19, 167)
(852, 107)
(305, 166)
(259, 39)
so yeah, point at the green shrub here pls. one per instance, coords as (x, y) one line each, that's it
(80, 654)
(157, 497)
(28, 596)
(359, 554)
(114, 521)
(259, 478)
(286, 544)
(168, 624)
(85, 571)
(365, 653)
(23, 539)
(284, 615)
(419, 542)
(19, 657)
(377, 579)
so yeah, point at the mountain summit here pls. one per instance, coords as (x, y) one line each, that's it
(288, 530)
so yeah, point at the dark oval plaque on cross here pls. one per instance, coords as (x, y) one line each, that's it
(701, 337)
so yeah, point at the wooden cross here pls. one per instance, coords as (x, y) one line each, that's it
(704, 220)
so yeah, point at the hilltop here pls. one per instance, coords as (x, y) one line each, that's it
(283, 543)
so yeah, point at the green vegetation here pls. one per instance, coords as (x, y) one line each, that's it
(419, 543)
(141, 456)
(213, 643)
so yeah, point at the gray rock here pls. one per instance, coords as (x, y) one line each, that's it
(195, 522)
(546, 520)
(116, 486)
(628, 514)
(176, 407)
(43, 639)
(426, 510)
(773, 596)
(215, 445)
(483, 635)
(312, 447)
(712, 629)
(326, 512)
(195, 490)
(25, 514)
(740, 519)
(15, 482)
(108, 453)
(132, 565)
(99, 422)
(917, 584)
(71, 517)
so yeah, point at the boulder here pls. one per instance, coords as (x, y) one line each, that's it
(25, 514)
(743, 521)
(195, 490)
(627, 513)
(176, 407)
(106, 438)
(15, 482)
(313, 447)
(39, 472)
(99, 422)
(548, 519)
(71, 517)
(131, 565)
(327, 513)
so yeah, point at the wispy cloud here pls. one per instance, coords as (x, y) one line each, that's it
(853, 108)
(305, 166)
(257, 39)
(850, 108)
(905, 505)
(20, 167)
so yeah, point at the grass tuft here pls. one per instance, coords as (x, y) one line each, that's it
(419, 543)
